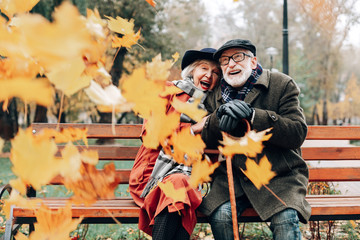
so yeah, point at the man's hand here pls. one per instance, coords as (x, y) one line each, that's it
(231, 113)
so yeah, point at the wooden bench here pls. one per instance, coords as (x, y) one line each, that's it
(324, 207)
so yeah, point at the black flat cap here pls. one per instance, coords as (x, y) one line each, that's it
(191, 56)
(235, 43)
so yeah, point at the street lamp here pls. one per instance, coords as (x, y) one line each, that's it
(271, 51)
(285, 40)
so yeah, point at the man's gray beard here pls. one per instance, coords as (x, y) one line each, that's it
(239, 81)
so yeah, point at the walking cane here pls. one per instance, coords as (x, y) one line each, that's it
(232, 191)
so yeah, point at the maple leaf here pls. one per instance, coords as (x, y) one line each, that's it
(185, 143)
(175, 56)
(16, 199)
(93, 184)
(65, 135)
(159, 127)
(34, 159)
(170, 90)
(72, 159)
(157, 69)
(121, 25)
(11, 7)
(68, 77)
(259, 174)
(151, 2)
(201, 171)
(18, 66)
(142, 92)
(190, 109)
(250, 144)
(54, 43)
(39, 91)
(126, 41)
(177, 195)
(53, 224)
(2, 141)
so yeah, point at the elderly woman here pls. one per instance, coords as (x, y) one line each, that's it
(159, 216)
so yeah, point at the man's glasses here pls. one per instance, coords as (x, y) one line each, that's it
(237, 57)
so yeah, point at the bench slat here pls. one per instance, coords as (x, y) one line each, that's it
(315, 175)
(333, 206)
(128, 131)
(333, 133)
(111, 152)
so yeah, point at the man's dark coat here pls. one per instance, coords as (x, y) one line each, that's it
(275, 100)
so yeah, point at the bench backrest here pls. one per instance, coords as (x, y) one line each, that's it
(311, 153)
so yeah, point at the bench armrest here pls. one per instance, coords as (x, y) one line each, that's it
(3, 188)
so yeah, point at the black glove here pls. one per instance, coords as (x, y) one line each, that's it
(231, 113)
(228, 123)
(236, 109)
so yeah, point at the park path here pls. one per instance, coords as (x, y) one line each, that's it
(346, 188)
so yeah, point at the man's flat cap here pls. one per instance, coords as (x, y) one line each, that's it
(235, 43)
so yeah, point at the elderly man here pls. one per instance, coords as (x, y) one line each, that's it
(267, 100)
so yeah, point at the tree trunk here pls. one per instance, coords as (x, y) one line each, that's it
(40, 114)
(9, 120)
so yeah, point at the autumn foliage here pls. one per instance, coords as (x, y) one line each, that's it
(69, 55)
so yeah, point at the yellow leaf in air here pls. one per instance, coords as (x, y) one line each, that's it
(16, 199)
(2, 141)
(93, 184)
(160, 126)
(151, 2)
(52, 44)
(201, 171)
(11, 7)
(157, 69)
(259, 174)
(71, 162)
(175, 56)
(126, 41)
(170, 90)
(190, 109)
(64, 135)
(177, 195)
(39, 90)
(54, 224)
(90, 157)
(18, 184)
(34, 159)
(68, 76)
(16, 66)
(185, 143)
(250, 144)
(144, 93)
(121, 25)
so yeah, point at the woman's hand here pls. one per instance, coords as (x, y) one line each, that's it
(198, 127)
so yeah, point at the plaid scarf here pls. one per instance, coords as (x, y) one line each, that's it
(229, 93)
(165, 164)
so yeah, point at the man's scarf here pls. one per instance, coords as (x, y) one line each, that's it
(165, 164)
(229, 93)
